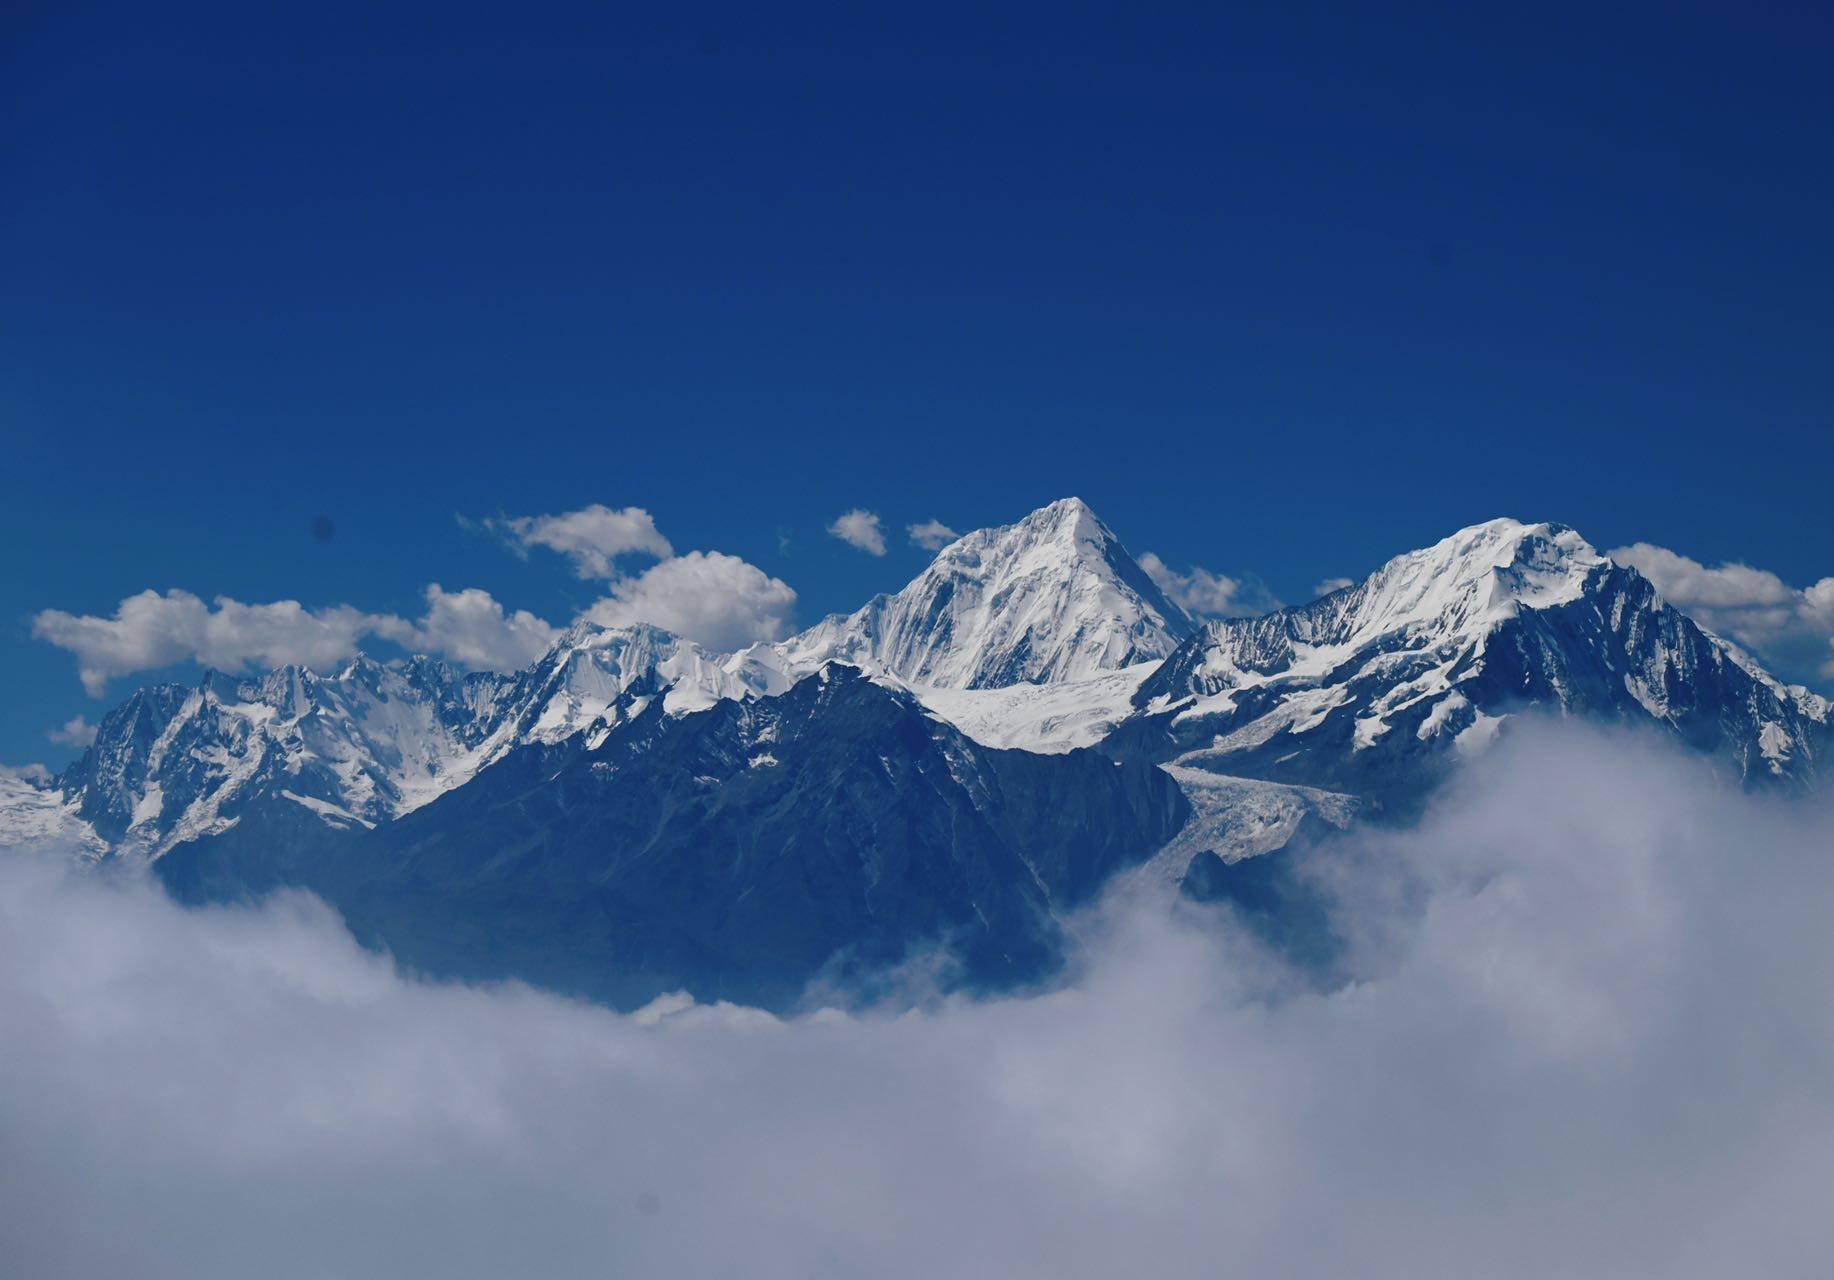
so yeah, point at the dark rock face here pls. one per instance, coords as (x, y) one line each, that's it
(737, 852)
(1273, 897)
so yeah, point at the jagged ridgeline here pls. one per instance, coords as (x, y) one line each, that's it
(947, 770)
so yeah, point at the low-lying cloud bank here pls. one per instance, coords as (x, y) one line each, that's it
(1591, 1034)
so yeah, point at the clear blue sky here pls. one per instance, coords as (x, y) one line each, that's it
(1279, 291)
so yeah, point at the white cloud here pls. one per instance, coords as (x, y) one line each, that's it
(471, 628)
(150, 630)
(1329, 585)
(1794, 629)
(1589, 990)
(931, 535)
(715, 599)
(74, 732)
(593, 537)
(1204, 592)
(860, 528)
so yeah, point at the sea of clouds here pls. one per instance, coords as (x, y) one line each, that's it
(1589, 1031)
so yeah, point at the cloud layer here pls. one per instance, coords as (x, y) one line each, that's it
(1794, 629)
(1588, 1034)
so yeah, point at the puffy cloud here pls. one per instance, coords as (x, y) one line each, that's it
(593, 537)
(709, 597)
(1590, 989)
(860, 528)
(1204, 592)
(151, 630)
(1329, 585)
(473, 629)
(1794, 629)
(931, 535)
(74, 732)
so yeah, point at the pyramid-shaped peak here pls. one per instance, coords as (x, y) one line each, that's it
(1051, 597)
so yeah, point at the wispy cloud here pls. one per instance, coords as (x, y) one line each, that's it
(74, 732)
(931, 535)
(1211, 594)
(593, 538)
(860, 528)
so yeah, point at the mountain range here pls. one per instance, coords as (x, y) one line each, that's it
(941, 774)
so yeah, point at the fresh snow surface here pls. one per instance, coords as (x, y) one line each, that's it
(1045, 718)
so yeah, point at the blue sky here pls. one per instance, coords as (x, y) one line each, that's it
(1280, 292)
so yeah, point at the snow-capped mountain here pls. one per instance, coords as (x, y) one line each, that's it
(1042, 603)
(736, 851)
(636, 802)
(1052, 599)
(1375, 687)
(364, 745)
